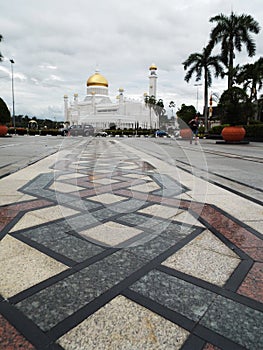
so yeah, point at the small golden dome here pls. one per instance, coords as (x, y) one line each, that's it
(153, 66)
(97, 79)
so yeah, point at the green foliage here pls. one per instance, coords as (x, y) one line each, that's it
(254, 132)
(231, 32)
(18, 131)
(217, 129)
(5, 116)
(185, 114)
(235, 107)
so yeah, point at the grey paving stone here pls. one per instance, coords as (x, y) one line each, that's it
(128, 206)
(53, 304)
(46, 233)
(80, 221)
(146, 222)
(82, 204)
(235, 321)
(74, 248)
(180, 296)
(154, 244)
(103, 214)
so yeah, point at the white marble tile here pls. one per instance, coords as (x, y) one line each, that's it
(105, 181)
(146, 187)
(107, 198)
(111, 233)
(205, 257)
(65, 188)
(162, 211)
(23, 266)
(122, 324)
(41, 216)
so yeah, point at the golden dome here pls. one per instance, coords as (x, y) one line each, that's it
(97, 79)
(153, 66)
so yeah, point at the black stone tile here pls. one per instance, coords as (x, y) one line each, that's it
(103, 214)
(236, 322)
(175, 231)
(53, 304)
(128, 206)
(180, 296)
(74, 248)
(152, 245)
(83, 204)
(46, 233)
(143, 221)
(79, 221)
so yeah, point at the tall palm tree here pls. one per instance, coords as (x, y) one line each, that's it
(251, 76)
(232, 32)
(150, 101)
(204, 63)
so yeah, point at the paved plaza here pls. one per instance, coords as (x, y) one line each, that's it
(106, 246)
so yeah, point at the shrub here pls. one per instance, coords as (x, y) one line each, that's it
(254, 131)
(5, 116)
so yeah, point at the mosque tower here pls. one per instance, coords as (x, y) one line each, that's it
(152, 80)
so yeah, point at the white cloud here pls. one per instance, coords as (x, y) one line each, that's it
(56, 46)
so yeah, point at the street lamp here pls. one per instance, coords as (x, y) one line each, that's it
(13, 96)
(197, 85)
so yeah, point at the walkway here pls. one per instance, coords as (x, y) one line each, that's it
(106, 247)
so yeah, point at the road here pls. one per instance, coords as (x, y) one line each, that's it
(237, 168)
(18, 152)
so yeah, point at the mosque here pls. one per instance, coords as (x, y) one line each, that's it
(98, 110)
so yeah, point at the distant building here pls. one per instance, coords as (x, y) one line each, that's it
(98, 110)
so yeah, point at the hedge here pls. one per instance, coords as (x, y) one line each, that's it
(253, 132)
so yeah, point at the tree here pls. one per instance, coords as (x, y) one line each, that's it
(232, 32)
(185, 114)
(251, 76)
(203, 63)
(235, 106)
(159, 108)
(150, 102)
(5, 116)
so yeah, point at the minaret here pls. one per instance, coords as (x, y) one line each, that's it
(152, 80)
(76, 96)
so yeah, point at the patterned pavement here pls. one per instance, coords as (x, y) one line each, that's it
(103, 249)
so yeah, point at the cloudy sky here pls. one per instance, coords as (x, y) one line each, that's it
(57, 45)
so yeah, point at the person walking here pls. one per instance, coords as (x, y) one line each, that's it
(194, 125)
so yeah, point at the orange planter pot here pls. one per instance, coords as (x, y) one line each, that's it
(233, 133)
(3, 130)
(186, 133)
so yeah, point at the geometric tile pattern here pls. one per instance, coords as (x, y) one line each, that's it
(123, 262)
(130, 326)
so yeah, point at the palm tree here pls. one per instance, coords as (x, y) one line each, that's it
(251, 76)
(203, 63)
(150, 102)
(232, 32)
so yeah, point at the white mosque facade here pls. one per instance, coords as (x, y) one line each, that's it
(98, 110)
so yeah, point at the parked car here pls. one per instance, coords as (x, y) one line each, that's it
(161, 133)
(63, 131)
(81, 130)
